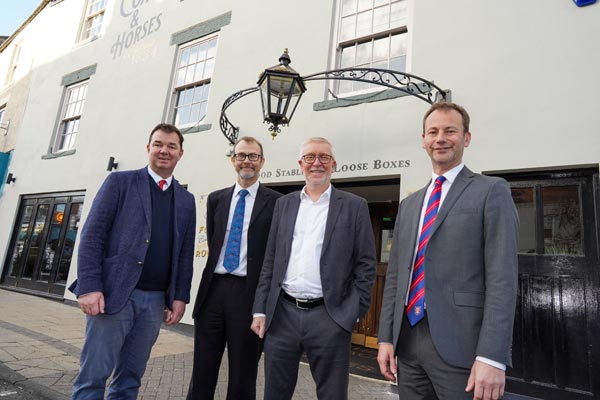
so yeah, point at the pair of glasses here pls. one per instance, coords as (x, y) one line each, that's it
(251, 156)
(311, 158)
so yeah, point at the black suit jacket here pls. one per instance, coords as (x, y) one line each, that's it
(217, 214)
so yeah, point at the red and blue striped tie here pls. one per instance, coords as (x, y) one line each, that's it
(416, 296)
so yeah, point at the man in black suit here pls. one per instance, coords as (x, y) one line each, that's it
(316, 280)
(238, 220)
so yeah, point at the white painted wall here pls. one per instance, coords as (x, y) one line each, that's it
(526, 72)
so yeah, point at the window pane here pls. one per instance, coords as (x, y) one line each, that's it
(348, 28)
(205, 92)
(202, 49)
(193, 55)
(185, 56)
(195, 112)
(208, 68)
(348, 7)
(348, 57)
(562, 220)
(381, 19)
(380, 2)
(180, 77)
(202, 110)
(398, 45)
(363, 53)
(36, 237)
(69, 243)
(189, 75)
(363, 23)
(381, 48)
(212, 48)
(197, 94)
(52, 242)
(15, 262)
(524, 201)
(364, 5)
(399, 12)
(398, 64)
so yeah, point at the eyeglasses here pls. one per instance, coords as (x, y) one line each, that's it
(311, 158)
(251, 156)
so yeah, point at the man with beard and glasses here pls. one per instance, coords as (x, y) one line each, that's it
(316, 280)
(238, 219)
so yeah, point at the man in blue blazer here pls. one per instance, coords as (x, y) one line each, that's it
(222, 313)
(315, 281)
(134, 268)
(451, 285)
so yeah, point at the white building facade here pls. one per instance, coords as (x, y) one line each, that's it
(86, 80)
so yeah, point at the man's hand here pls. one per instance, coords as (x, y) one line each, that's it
(175, 315)
(387, 361)
(91, 303)
(258, 326)
(488, 382)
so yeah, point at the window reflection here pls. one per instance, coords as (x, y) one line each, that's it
(524, 201)
(562, 220)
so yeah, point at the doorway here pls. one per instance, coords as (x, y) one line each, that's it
(556, 341)
(42, 242)
(382, 194)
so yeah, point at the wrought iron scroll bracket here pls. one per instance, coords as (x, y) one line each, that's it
(229, 130)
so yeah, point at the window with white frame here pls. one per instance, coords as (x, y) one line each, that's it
(14, 61)
(191, 85)
(70, 116)
(94, 15)
(371, 34)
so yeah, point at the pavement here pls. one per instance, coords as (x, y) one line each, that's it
(41, 339)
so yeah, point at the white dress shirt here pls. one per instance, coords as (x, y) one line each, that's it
(242, 269)
(303, 276)
(157, 178)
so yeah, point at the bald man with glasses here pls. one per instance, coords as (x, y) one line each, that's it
(238, 219)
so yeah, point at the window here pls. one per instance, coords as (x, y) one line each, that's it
(371, 34)
(94, 15)
(14, 61)
(2, 108)
(70, 116)
(191, 86)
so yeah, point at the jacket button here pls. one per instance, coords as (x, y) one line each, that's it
(139, 263)
(146, 241)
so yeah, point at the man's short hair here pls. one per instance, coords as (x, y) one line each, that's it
(316, 139)
(446, 106)
(167, 128)
(249, 139)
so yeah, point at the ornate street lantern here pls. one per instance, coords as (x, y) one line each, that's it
(281, 88)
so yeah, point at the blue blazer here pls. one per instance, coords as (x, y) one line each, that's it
(115, 238)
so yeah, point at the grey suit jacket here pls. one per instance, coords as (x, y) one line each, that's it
(470, 270)
(347, 258)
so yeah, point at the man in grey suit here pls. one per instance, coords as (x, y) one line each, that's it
(315, 281)
(450, 292)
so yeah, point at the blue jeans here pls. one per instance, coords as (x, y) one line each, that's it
(121, 343)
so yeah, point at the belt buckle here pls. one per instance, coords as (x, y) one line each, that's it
(299, 306)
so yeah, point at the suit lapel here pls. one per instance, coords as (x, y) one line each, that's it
(335, 205)
(262, 197)
(292, 213)
(463, 179)
(143, 186)
(414, 216)
(222, 213)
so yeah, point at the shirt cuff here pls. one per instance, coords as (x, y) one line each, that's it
(259, 315)
(491, 362)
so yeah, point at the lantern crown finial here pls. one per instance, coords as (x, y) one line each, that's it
(285, 57)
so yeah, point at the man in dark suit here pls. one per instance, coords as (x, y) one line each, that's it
(135, 258)
(223, 309)
(450, 291)
(316, 280)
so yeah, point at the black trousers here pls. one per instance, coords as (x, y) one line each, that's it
(225, 319)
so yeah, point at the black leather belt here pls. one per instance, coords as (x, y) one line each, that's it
(304, 304)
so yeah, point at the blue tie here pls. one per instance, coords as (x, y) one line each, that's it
(232, 252)
(415, 308)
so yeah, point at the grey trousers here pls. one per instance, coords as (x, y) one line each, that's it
(422, 373)
(327, 346)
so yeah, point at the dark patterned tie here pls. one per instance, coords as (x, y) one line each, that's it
(232, 251)
(161, 184)
(416, 296)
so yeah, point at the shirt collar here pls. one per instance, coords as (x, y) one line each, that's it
(324, 196)
(449, 175)
(158, 178)
(252, 189)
